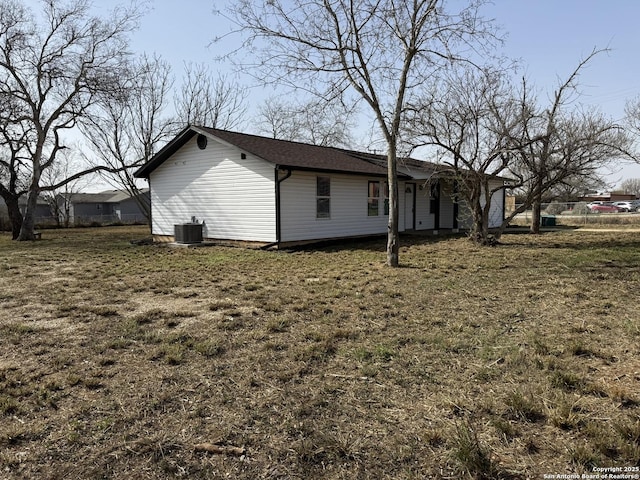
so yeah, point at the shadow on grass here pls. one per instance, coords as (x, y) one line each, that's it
(589, 241)
(372, 244)
(586, 241)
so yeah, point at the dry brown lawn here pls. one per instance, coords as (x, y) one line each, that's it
(516, 361)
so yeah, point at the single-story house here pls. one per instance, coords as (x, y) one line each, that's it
(110, 205)
(256, 189)
(107, 206)
(44, 213)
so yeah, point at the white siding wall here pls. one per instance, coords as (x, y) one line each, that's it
(496, 211)
(234, 197)
(424, 218)
(446, 204)
(348, 208)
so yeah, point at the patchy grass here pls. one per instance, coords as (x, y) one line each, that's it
(467, 362)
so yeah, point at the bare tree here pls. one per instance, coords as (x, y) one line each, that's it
(469, 121)
(128, 126)
(576, 187)
(13, 185)
(53, 69)
(14, 172)
(632, 111)
(381, 50)
(216, 102)
(564, 142)
(484, 128)
(632, 122)
(59, 198)
(311, 122)
(631, 186)
(275, 119)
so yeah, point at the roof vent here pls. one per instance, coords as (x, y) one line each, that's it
(202, 142)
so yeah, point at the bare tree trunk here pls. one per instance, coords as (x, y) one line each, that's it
(393, 237)
(480, 231)
(67, 212)
(55, 209)
(15, 216)
(536, 208)
(28, 221)
(486, 234)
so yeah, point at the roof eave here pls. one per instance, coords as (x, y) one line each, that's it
(333, 170)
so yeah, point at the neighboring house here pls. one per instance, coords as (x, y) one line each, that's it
(256, 189)
(43, 215)
(108, 206)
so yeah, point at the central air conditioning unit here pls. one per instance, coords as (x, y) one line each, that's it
(187, 233)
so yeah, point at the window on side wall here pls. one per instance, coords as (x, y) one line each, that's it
(323, 197)
(373, 199)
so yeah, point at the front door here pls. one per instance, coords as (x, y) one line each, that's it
(410, 206)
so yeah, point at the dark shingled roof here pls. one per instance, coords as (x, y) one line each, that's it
(298, 155)
(407, 166)
(108, 196)
(104, 197)
(282, 153)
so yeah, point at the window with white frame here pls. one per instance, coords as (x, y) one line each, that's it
(373, 199)
(377, 192)
(323, 197)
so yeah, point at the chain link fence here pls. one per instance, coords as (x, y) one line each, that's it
(579, 213)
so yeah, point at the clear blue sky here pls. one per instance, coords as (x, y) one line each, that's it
(550, 37)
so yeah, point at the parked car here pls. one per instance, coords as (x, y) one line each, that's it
(625, 206)
(603, 207)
